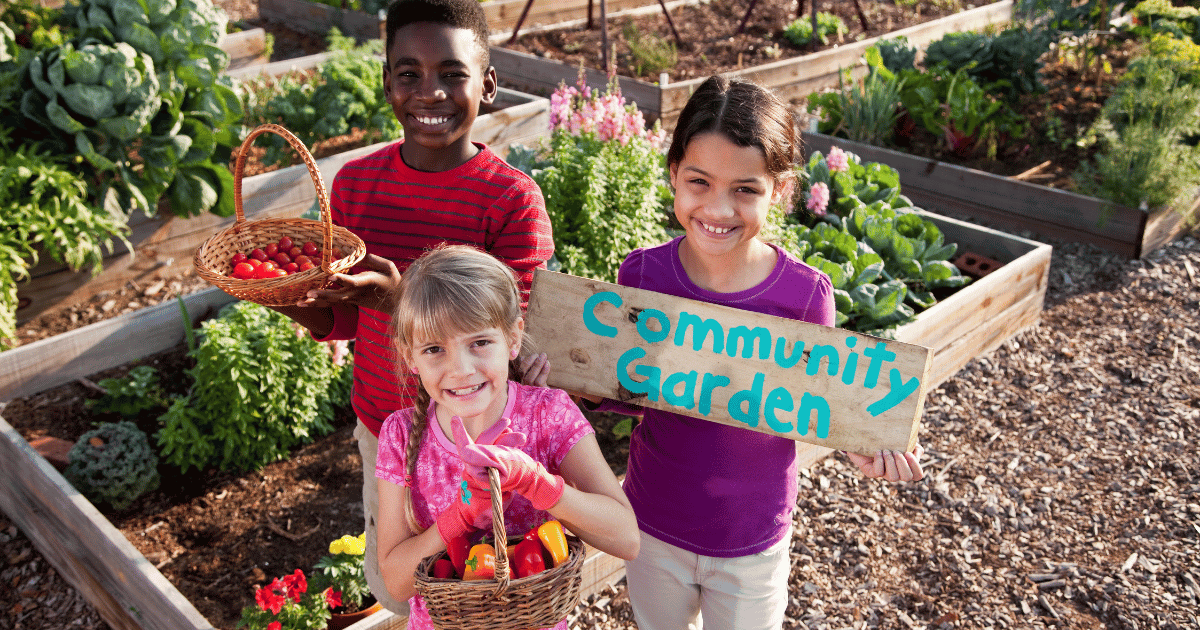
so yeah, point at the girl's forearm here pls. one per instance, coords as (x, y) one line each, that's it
(599, 520)
(397, 566)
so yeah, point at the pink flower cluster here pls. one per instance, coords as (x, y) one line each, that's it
(837, 161)
(818, 198)
(579, 110)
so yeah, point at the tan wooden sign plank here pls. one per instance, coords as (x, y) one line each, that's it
(805, 382)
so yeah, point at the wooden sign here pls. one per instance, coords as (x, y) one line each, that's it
(811, 383)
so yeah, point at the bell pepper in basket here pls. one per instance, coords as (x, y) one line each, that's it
(481, 564)
(555, 539)
(528, 560)
(458, 549)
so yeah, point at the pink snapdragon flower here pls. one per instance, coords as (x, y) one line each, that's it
(837, 161)
(818, 198)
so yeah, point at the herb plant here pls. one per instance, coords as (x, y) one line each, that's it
(138, 391)
(864, 111)
(649, 53)
(260, 388)
(800, 30)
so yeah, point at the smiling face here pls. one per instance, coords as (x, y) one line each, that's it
(434, 81)
(466, 374)
(722, 194)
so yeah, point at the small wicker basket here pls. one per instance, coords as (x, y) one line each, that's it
(536, 601)
(212, 259)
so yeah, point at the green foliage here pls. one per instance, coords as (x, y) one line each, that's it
(799, 31)
(113, 464)
(136, 392)
(864, 111)
(261, 388)
(897, 54)
(1160, 16)
(1008, 63)
(883, 259)
(31, 26)
(953, 106)
(342, 570)
(45, 210)
(651, 54)
(346, 93)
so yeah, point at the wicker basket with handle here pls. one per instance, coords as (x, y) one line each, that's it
(213, 262)
(536, 601)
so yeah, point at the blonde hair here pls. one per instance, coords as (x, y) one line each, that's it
(450, 289)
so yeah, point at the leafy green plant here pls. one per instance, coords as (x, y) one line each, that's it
(342, 570)
(46, 211)
(33, 26)
(954, 107)
(864, 111)
(1160, 16)
(651, 54)
(603, 175)
(129, 396)
(897, 54)
(344, 94)
(113, 464)
(800, 30)
(260, 388)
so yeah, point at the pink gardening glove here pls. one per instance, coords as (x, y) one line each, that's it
(518, 471)
(473, 508)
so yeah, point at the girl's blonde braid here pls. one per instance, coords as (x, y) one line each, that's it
(415, 435)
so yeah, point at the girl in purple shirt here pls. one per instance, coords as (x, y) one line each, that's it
(714, 503)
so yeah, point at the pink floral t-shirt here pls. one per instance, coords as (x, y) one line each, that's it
(552, 424)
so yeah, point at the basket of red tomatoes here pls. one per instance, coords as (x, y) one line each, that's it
(277, 261)
(533, 581)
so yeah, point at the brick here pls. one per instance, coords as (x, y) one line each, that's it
(53, 449)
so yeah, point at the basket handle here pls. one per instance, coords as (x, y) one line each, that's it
(500, 533)
(313, 171)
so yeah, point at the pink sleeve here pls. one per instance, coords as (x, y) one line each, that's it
(345, 324)
(568, 427)
(390, 464)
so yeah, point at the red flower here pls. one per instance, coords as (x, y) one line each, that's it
(268, 599)
(333, 598)
(296, 585)
(274, 625)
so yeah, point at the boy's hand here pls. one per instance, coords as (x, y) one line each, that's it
(535, 370)
(375, 288)
(891, 465)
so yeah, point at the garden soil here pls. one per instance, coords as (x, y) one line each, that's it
(1057, 494)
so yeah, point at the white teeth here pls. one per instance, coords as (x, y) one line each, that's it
(433, 121)
(466, 390)
(714, 229)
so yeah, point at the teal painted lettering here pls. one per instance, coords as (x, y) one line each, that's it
(649, 387)
(752, 398)
(589, 316)
(780, 399)
(878, 355)
(812, 403)
(707, 385)
(664, 325)
(851, 362)
(781, 358)
(700, 330)
(819, 352)
(687, 399)
(748, 337)
(899, 391)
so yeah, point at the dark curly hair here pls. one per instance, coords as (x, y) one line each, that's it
(455, 13)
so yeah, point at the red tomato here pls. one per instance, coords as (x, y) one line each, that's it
(277, 273)
(243, 271)
(271, 250)
(282, 259)
(254, 262)
(295, 251)
(285, 243)
(310, 249)
(291, 267)
(305, 266)
(301, 259)
(258, 254)
(237, 258)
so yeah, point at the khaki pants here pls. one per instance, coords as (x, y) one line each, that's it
(674, 589)
(368, 447)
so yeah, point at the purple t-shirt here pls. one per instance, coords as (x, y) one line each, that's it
(552, 424)
(709, 488)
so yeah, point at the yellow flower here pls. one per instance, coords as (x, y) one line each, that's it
(351, 545)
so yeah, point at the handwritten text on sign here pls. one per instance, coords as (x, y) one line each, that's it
(801, 381)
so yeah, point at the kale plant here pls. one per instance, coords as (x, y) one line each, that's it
(113, 465)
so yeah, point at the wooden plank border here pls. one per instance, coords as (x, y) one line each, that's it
(1008, 202)
(129, 593)
(245, 48)
(165, 245)
(790, 78)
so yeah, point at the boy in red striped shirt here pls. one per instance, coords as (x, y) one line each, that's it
(432, 187)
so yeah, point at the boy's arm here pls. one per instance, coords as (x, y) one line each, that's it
(319, 321)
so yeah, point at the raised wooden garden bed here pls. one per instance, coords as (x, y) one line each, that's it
(502, 15)
(789, 78)
(164, 245)
(1009, 202)
(130, 593)
(245, 48)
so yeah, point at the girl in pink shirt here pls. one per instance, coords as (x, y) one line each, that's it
(459, 329)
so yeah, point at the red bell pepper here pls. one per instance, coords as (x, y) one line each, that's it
(443, 569)
(528, 558)
(458, 550)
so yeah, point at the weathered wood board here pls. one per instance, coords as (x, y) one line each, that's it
(940, 186)
(245, 48)
(810, 383)
(789, 78)
(165, 245)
